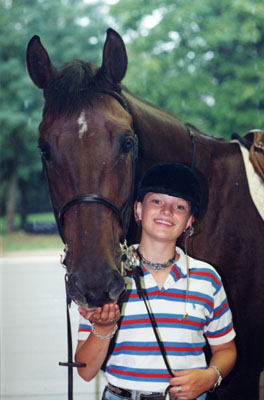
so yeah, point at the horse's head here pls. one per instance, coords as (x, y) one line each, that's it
(88, 147)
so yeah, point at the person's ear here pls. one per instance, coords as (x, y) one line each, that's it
(138, 211)
(189, 227)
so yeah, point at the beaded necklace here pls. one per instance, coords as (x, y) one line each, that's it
(157, 266)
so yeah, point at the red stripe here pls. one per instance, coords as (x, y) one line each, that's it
(220, 334)
(156, 348)
(185, 321)
(139, 374)
(176, 273)
(203, 299)
(164, 320)
(153, 348)
(209, 274)
(84, 330)
(135, 321)
(182, 296)
(221, 309)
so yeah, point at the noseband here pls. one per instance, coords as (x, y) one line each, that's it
(122, 214)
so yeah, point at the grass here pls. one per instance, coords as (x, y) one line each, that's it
(40, 217)
(21, 241)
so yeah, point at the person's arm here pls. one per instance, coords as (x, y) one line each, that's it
(93, 351)
(224, 358)
(193, 382)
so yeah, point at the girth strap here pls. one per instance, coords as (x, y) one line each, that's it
(194, 139)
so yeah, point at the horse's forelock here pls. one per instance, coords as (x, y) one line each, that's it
(70, 89)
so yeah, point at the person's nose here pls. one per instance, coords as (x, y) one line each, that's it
(167, 209)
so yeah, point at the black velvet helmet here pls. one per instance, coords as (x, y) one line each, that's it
(174, 179)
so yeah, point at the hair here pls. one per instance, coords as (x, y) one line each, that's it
(73, 86)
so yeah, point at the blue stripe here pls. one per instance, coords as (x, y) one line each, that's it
(224, 311)
(219, 332)
(217, 285)
(84, 326)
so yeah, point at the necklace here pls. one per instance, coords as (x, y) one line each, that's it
(156, 266)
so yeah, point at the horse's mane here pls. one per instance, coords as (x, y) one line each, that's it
(72, 87)
(187, 124)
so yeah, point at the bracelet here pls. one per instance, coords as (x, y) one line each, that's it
(219, 378)
(108, 336)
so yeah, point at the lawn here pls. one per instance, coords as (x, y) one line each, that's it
(21, 241)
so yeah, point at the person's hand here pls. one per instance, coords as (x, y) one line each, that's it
(108, 315)
(190, 383)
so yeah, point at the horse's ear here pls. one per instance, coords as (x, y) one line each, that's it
(39, 66)
(114, 57)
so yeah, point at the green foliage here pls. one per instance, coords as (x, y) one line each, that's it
(45, 217)
(201, 60)
(68, 29)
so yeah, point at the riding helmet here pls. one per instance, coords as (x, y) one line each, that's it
(174, 179)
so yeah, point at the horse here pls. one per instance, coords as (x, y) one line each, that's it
(96, 139)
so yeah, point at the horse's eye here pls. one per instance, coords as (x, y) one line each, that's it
(45, 151)
(127, 145)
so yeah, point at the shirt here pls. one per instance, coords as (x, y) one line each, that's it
(136, 362)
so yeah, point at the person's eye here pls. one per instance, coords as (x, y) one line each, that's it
(180, 207)
(156, 201)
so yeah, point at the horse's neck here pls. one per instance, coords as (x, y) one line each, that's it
(159, 131)
(165, 138)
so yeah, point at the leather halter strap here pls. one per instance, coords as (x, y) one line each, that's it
(89, 198)
(123, 214)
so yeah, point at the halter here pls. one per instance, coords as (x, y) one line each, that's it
(122, 214)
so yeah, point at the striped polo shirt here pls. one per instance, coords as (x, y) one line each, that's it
(136, 362)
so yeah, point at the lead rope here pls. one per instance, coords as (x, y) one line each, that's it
(70, 364)
(136, 276)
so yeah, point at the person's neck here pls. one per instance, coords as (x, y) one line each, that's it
(156, 251)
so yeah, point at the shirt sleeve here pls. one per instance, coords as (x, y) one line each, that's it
(84, 329)
(220, 329)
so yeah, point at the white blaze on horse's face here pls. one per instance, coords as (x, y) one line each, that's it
(83, 126)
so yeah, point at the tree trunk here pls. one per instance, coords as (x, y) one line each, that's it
(11, 202)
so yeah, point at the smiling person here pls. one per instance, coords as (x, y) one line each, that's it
(185, 298)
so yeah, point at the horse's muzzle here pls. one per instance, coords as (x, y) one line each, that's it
(90, 294)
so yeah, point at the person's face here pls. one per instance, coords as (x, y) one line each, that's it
(163, 217)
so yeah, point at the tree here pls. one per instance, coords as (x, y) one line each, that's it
(201, 60)
(68, 29)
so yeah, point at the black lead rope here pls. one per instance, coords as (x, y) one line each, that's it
(137, 272)
(70, 364)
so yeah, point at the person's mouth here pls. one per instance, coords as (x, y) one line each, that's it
(163, 222)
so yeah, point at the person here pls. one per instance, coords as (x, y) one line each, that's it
(185, 295)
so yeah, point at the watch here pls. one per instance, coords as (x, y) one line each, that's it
(219, 378)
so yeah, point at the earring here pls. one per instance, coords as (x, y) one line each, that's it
(190, 231)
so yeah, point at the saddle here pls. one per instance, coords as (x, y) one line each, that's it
(254, 142)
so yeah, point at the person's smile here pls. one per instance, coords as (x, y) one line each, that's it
(163, 222)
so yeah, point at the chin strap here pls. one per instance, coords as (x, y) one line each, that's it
(70, 364)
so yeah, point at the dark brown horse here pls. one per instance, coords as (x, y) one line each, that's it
(88, 143)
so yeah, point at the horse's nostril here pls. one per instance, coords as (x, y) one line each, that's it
(116, 286)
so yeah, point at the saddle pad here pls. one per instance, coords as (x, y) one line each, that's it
(255, 183)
